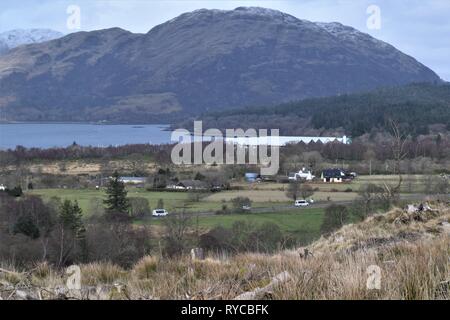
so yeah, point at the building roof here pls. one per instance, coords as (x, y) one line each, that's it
(195, 184)
(333, 173)
(142, 179)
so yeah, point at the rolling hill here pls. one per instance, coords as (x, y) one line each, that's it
(415, 107)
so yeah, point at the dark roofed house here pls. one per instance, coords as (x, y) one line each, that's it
(217, 186)
(333, 175)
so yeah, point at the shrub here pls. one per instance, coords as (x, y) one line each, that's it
(104, 273)
(442, 186)
(240, 202)
(223, 210)
(217, 239)
(145, 267)
(335, 217)
(42, 270)
(306, 191)
(243, 237)
(15, 192)
(139, 207)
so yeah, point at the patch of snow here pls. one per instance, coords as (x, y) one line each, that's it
(348, 33)
(265, 12)
(14, 38)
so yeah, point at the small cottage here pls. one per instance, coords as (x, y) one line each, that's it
(333, 175)
(301, 175)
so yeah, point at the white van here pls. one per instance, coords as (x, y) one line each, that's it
(160, 213)
(301, 203)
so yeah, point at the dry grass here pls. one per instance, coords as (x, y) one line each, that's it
(102, 273)
(412, 251)
(81, 167)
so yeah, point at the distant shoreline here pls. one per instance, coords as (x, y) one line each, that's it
(87, 122)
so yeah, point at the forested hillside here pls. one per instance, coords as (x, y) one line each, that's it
(415, 107)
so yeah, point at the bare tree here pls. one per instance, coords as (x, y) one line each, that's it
(371, 194)
(398, 152)
(306, 191)
(177, 227)
(293, 190)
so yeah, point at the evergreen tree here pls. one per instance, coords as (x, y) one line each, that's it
(70, 217)
(70, 232)
(25, 225)
(116, 201)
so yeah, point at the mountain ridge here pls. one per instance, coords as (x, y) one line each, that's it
(199, 61)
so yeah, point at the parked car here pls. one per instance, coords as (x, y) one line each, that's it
(301, 203)
(159, 213)
(246, 208)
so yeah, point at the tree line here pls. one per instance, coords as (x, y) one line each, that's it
(59, 232)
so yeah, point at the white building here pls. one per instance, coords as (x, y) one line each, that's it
(132, 180)
(302, 175)
(284, 140)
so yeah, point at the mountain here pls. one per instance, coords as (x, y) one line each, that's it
(415, 107)
(199, 61)
(14, 38)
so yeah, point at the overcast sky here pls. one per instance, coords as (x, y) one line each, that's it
(420, 28)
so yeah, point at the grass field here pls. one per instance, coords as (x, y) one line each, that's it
(88, 199)
(302, 224)
(261, 194)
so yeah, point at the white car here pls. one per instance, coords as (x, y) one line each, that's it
(301, 203)
(159, 213)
